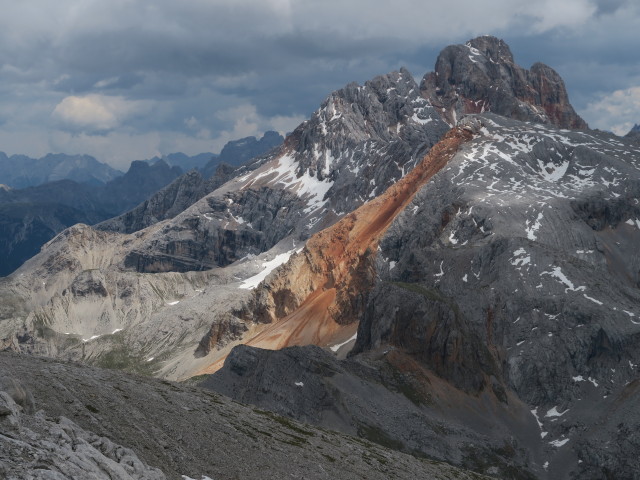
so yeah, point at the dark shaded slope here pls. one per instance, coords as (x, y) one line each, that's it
(178, 429)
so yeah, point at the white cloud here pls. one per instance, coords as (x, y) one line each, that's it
(617, 111)
(246, 121)
(218, 70)
(285, 124)
(97, 112)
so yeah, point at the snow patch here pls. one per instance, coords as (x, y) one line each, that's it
(555, 413)
(305, 186)
(552, 172)
(269, 266)
(633, 223)
(335, 348)
(558, 443)
(592, 299)
(520, 258)
(439, 275)
(557, 273)
(532, 227)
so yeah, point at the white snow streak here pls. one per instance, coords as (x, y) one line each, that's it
(269, 266)
(557, 273)
(335, 348)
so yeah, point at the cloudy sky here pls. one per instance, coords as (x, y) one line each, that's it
(130, 79)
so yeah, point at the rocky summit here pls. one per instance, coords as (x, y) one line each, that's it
(481, 76)
(448, 270)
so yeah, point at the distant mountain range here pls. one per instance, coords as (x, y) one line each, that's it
(44, 196)
(184, 161)
(239, 152)
(20, 171)
(29, 217)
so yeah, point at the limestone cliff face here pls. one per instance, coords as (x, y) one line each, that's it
(481, 76)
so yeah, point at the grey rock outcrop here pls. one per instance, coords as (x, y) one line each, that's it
(481, 76)
(35, 447)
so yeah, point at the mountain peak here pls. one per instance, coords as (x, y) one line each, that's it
(634, 133)
(481, 76)
(495, 49)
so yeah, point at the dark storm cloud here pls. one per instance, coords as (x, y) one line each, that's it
(143, 76)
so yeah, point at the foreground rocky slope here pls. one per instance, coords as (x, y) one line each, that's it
(387, 397)
(101, 424)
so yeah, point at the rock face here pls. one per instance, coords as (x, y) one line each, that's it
(102, 424)
(481, 76)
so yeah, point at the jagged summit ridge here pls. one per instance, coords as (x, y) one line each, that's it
(360, 141)
(482, 76)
